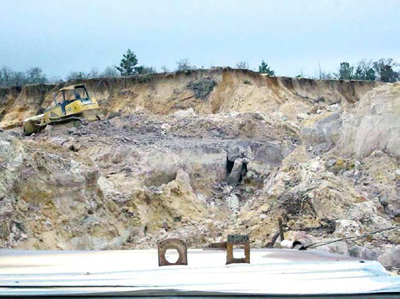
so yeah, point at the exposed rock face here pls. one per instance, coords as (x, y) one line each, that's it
(370, 131)
(375, 124)
(199, 155)
(372, 124)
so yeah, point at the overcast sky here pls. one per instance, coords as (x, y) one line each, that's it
(292, 36)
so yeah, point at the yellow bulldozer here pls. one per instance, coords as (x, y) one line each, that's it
(74, 105)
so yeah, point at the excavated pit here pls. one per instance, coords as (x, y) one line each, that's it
(201, 154)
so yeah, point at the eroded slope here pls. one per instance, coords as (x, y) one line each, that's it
(202, 154)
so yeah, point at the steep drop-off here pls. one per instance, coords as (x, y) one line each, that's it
(206, 91)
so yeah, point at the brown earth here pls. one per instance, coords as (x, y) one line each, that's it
(206, 91)
(201, 154)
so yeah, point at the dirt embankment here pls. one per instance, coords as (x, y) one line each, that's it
(198, 155)
(206, 91)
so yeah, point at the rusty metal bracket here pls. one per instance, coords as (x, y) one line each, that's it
(281, 233)
(177, 244)
(237, 240)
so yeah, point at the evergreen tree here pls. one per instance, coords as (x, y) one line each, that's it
(370, 75)
(346, 71)
(359, 74)
(364, 71)
(127, 64)
(265, 69)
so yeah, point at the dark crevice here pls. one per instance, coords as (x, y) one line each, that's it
(229, 166)
(243, 171)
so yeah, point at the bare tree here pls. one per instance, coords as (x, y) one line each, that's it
(56, 79)
(164, 69)
(77, 76)
(385, 68)
(326, 76)
(35, 75)
(143, 70)
(19, 79)
(322, 75)
(94, 73)
(109, 72)
(242, 65)
(6, 75)
(184, 65)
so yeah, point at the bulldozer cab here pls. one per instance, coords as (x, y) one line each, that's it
(73, 93)
(71, 104)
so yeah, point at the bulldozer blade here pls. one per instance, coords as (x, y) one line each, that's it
(92, 115)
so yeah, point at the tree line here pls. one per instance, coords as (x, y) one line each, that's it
(381, 70)
(384, 69)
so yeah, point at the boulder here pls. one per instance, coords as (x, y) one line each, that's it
(184, 178)
(390, 257)
(268, 153)
(72, 145)
(185, 113)
(364, 253)
(108, 189)
(57, 140)
(48, 129)
(239, 150)
(236, 172)
(367, 212)
(323, 134)
(347, 228)
(72, 130)
(339, 247)
(232, 202)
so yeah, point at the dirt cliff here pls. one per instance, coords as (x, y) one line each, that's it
(201, 154)
(206, 91)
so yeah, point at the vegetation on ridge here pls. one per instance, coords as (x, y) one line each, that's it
(384, 69)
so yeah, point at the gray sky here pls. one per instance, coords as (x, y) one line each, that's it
(292, 36)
